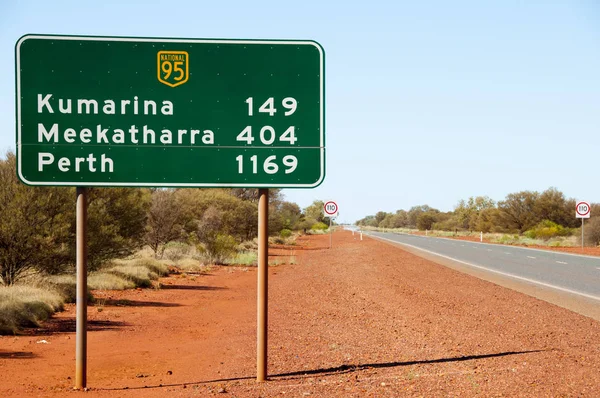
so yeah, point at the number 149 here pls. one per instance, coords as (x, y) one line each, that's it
(289, 103)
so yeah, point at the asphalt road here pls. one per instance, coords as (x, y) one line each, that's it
(579, 275)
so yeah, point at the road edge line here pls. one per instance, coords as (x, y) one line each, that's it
(533, 281)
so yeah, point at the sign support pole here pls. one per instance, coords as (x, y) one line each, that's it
(330, 234)
(582, 234)
(262, 288)
(81, 295)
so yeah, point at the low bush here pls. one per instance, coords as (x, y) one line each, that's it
(248, 245)
(158, 267)
(591, 232)
(190, 265)
(26, 306)
(547, 229)
(319, 226)
(139, 275)
(243, 258)
(108, 281)
(66, 286)
(285, 233)
(221, 248)
(177, 250)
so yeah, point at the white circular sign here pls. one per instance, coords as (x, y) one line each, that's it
(583, 209)
(330, 208)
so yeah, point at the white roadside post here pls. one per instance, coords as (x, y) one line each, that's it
(582, 210)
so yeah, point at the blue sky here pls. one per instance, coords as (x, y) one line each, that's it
(428, 102)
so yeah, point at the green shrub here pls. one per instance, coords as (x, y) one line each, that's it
(177, 250)
(319, 226)
(221, 248)
(547, 229)
(285, 233)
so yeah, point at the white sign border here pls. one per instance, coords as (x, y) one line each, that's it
(171, 40)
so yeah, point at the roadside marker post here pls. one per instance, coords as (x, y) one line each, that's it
(582, 210)
(247, 90)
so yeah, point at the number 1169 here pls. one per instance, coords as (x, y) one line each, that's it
(269, 165)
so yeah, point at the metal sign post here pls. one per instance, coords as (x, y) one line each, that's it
(263, 284)
(81, 294)
(582, 210)
(330, 234)
(331, 210)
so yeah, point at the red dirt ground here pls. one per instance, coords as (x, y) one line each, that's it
(361, 319)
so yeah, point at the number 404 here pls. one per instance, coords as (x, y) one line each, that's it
(269, 165)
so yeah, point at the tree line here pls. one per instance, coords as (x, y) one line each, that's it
(37, 231)
(524, 212)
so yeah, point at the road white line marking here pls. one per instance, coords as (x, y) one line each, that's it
(590, 296)
(530, 257)
(489, 250)
(562, 262)
(507, 253)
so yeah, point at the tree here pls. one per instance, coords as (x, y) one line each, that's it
(315, 211)
(238, 217)
(517, 211)
(164, 221)
(35, 227)
(415, 211)
(116, 222)
(425, 220)
(552, 205)
(290, 214)
(467, 213)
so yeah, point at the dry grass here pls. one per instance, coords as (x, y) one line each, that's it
(140, 275)
(243, 258)
(108, 281)
(156, 266)
(26, 306)
(191, 265)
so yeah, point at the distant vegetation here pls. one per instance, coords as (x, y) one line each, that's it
(546, 215)
(186, 228)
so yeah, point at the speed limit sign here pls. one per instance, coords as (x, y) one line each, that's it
(582, 210)
(331, 209)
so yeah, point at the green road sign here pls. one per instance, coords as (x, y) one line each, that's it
(116, 111)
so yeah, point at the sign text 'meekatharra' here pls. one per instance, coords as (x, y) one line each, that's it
(133, 134)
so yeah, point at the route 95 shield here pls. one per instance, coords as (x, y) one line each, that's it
(173, 67)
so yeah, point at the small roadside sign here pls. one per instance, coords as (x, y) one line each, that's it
(331, 209)
(582, 210)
